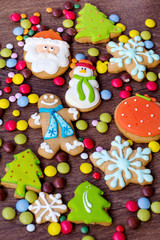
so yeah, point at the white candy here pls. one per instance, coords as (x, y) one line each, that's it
(9, 46)
(30, 227)
(84, 155)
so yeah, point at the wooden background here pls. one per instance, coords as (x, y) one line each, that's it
(133, 14)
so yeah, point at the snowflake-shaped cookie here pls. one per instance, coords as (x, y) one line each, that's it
(122, 165)
(131, 57)
(48, 207)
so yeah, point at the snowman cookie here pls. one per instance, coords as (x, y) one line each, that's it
(83, 92)
(137, 118)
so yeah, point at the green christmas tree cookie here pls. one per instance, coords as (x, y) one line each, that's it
(23, 173)
(93, 26)
(88, 206)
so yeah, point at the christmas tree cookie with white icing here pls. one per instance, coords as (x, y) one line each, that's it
(122, 165)
(88, 206)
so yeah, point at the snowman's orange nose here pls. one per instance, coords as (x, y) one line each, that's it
(82, 71)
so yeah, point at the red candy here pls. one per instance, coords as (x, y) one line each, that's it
(25, 88)
(20, 65)
(59, 81)
(120, 228)
(118, 236)
(128, 88)
(96, 175)
(64, 11)
(66, 227)
(34, 19)
(88, 143)
(132, 206)
(70, 15)
(151, 86)
(10, 125)
(15, 17)
(8, 80)
(124, 94)
(7, 89)
(34, 28)
(117, 82)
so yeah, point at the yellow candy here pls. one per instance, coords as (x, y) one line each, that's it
(150, 23)
(154, 146)
(122, 26)
(22, 125)
(18, 79)
(54, 229)
(49, 10)
(4, 103)
(19, 38)
(23, 15)
(16, 113)
(130, 142)
(50, 171)
(86, 168)
(133, 33)
(101, 67)
(37, 14)
(33, 98)
(123, 39)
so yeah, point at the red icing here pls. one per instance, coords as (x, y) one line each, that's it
(130, 116)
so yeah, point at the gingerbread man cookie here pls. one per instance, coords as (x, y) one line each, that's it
(122, 165)
(131, 57)
(57, 129)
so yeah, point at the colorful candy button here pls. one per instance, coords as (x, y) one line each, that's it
(84, 155)
(101, 67)
(2, 63)
(80, 56)
(15, 17)
(25, 24)
(96, 175)
(93, 52)
(122, 26)
(20, 139)
(4, 103)
(18, 79)
(124, 94)
(68, 23)
(63, 168)
(10, 125)
(62, 218)
(148, 44)
(8, 213)
(59, 81)
(114, 18)
(25, 88)
(54, 229)
(23, 101)
(89, 238)
(22, 205)
(88, 143)
(154, 146)
(102, 127)
(33, 98)
(151, 76)
(132, 206)
(5, 52)
(84, 229)
(66, 227)
(81, 125)
(123, 39)
(144, 203)
(155, 207)
(145, 35)
(31, 196)
(30, 227)
(50, 171)
(26, 218)
(18, 31)
(133, 33)
(143, 215)
(86, 168)
(22, 125)
(151, 86)
(117, 83)
(70, 15)
(11, 63)
(150, 23)
(105, 117)
(106, 94)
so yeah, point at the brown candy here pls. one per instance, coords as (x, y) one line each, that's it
(26, 72)
(68, 5)
(104, 57)
(148, 191)
(57, 12)
(133, 222)
(8, 146)
(47, 187)
(66, 37)
(126, 77)
(71, 31)
(61, 157)
(92, 59)
(59, 182)
(3, 194)
(42, 28)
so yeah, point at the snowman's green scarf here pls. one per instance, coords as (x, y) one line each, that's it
(84, 80)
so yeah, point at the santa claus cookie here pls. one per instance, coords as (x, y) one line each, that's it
(138, 119)
(46, 54)
(83, 92)
(131, 57)
(57, 129)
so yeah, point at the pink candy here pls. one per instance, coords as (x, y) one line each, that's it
(20, 43)
(59, 81)
(70, 15)
(118, 236)
(66, 227)
(11, 74)
(132, 206)
(20, 65)
(14, 55)
(128, 88)
(99, 149)
(18, 95)
(151, 86)
(94, 123)
(117, 82)
(124, 94)
(34, 19)
(25, 88)
(12, 98)
(88, 143)
(10, 125)
(15, 17)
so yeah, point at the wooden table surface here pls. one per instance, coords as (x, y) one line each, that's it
(133, 14)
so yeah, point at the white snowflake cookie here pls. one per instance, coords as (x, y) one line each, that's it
(122, 165)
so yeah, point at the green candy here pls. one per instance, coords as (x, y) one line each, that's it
(143, 215)
(0, 142)
(68, 23)
(5, 52)
(94, 52)
(63, 167)
(105, 117)
(159, 75)
(26, 218)
(102, 127)
(81, 125)
(88, 238)
(62, 218)
(84, 229)
(25, 37)
(26, 24)
(31, 32)
(155, 207)
(145, 35)
(151, 76)
(20, 139)
(76, 6)
(31, 196)
(2, 63)
(8, 213)
(80, 139)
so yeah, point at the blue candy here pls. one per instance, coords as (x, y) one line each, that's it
(22, 101)
(11, 62)
(106, 94)
(144, 203)
(18, 31)
(148, 44)
(80, 56)
(22, 205)
(114, 18)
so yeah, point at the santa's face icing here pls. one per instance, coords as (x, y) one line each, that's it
(46, 54)
(48, 101)
(83, 71)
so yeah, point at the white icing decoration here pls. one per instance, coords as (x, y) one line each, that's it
(49, 104)
(76, 143)
(36, 118)
(87, 204)
(74, 111)
(147, 105)
(48, 207)
(152, 115)
(45, 96)
(46, 147)
(51, 96)
(124, 165)
(136, 109)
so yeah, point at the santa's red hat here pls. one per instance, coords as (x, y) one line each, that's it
(48, 34)
(85, 63)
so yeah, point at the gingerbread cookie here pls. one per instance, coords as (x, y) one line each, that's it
(122, 165)
(88, 206)
(131, 57)
(48, 207)
(23, 173)
(93, 26)
(57, 129)
(83, 88)
(46, 55)
(137, 118)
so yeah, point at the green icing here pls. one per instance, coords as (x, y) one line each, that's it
(94, 24)
(88, 205)
(84, 80)
(23, 171)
